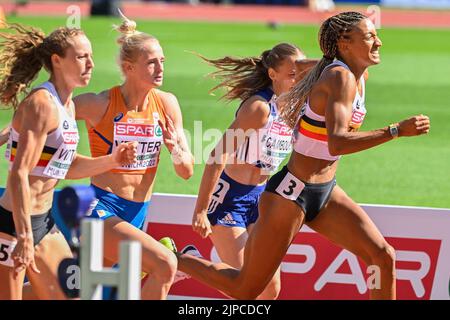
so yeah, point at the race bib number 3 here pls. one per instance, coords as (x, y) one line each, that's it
(6, 248)
(290, 187)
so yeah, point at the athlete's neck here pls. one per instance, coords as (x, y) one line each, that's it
(136, 98)
(277, 89)
(64, 91)
(357, 70)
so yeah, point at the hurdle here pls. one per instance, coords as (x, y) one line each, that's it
(94, 275)
(73, 203)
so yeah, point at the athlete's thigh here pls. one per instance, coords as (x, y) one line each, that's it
(117, 230)
(345, 223)
(48, 254)
(10, 288)
(229, 243)
(278, 222)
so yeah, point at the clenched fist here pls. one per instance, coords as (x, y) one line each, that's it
(125, 153)
(414, 126)
(201, 224)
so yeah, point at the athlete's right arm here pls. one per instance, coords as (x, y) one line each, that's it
(303, 67)
(91, 107)
(4, 135)
(253, 114)
(35, 118)
(341, 140)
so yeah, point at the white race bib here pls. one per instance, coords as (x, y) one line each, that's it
(149, 139)
(6, 249)
(61, 160)
(218, 195)
(275, 145)
(290, 187)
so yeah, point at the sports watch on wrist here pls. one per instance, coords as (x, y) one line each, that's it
(393, 130)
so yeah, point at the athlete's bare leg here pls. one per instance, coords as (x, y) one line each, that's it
(276, 227)
(10, 288)
(230, 243)
(49, 253)
(157, 261)
(345, 223)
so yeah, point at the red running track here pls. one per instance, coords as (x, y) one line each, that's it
(238, 13)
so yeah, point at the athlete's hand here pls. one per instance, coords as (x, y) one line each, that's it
(4, 135)
(125, 153)
(414, 126)
(169, 133)
(201, 224)
(23, 256)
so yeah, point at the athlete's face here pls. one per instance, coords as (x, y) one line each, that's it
(149, 66)
(284, 75)
(362, 44)
(77, 64)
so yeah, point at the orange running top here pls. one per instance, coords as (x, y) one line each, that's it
(121, 125)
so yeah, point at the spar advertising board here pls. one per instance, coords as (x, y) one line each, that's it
(316, 269)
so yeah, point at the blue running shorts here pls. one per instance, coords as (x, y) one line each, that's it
(234, 204)
(109, 205)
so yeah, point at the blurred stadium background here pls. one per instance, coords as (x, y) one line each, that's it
(413, 78)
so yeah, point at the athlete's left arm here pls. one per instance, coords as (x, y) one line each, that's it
(4, 135)
(174, 137)
(303, 66)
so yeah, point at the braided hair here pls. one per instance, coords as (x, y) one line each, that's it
(333, 29)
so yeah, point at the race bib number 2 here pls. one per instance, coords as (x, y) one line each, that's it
(218, 196)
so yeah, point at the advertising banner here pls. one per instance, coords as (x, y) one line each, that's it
(314, 268)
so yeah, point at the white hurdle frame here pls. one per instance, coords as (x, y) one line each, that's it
(127, 278)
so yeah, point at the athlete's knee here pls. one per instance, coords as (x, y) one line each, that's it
(164, 268)
(272, 290)
(384, 257)
(247, 291)
(250, 294)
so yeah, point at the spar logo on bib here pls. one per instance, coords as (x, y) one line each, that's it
(358, 117)
(70, 137)
(280, 128)
(133, 129)
(158, 131)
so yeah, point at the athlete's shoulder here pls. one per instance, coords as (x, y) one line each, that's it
(170, 103)
(255, 106)
(92, 99)
(166, 97)
(338, 78)
(37, 110)
(89, 105)
(39, 101)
